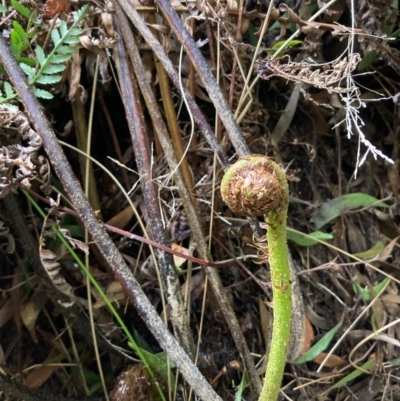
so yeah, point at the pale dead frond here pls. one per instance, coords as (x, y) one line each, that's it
(328, 77)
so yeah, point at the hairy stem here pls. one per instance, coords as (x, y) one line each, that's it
(281, 291)
(256, 186)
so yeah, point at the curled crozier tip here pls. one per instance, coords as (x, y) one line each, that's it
(250, 186)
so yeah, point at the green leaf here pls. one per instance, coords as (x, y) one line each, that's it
(159, 364)
(370, 58)
(66, 49)
(25, 12)
(373, 252)
(334, 208)
(393, 362)
(8, 89)
(3, 9)
(60, 58)
(242, 386)
(53, 69)
(64, 40)
(63, 29)
(40, 55)
(76, 31)
(277, 45)
(42, 94)
(72, 40)
(27, 60)
(19, 39)
(20, 31)
(318, 347)
(369, 365)
(307, 239)
(81, 13)
(29, 71)
(365, 292)
(48, 79)
(55, 37)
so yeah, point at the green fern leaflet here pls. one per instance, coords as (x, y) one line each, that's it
(51, 66)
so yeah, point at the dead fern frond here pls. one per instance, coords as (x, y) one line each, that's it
(328, 77)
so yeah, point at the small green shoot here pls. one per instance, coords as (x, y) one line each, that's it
(369, 365)
(393, 363)
(277, 45)
(25, 12)
(319, 346)
(365, 292)
(160, 364)
(373, 252)
(307, 239)
(242, 386)
(366, 62)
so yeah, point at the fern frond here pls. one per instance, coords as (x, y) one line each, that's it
(64, 40)
(51, 66)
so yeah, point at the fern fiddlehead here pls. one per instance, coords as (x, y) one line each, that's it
(255, 186)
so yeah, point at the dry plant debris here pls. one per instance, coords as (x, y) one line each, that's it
(346, 62)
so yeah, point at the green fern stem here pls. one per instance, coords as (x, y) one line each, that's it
(256, 186)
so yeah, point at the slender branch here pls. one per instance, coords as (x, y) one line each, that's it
(141, 146)
(100, 237)
(157, 48)
(256, 186)
(205, 74)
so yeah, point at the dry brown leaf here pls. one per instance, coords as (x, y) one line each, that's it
(30, 312)
(115, 294)
(179, 260)
(74, 73)
(308, 338)
(41, 374)
(333, 361)
(394, 179)
(387, 251)
(394, 298)
(378, 311)
(196, 286)
(121, 219)
(265, 318)
(315, 319)
(335, 11)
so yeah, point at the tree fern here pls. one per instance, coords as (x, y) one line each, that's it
(51, 66)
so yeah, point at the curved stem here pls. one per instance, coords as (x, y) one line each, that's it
(253, 186)
(281, 290)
